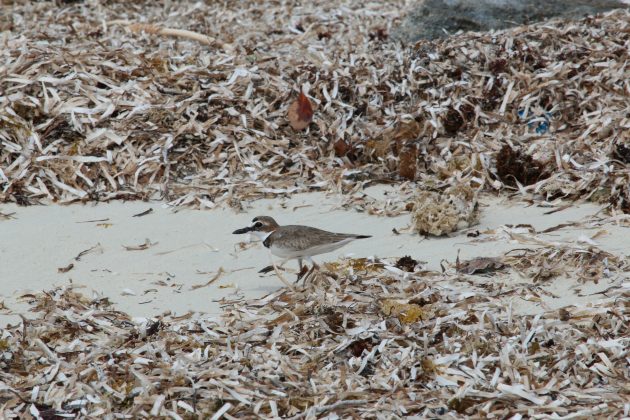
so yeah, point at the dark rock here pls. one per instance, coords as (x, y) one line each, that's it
(439, 18)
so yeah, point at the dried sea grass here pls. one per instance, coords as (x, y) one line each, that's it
(361, 345)
(93, 111)
(582, 263)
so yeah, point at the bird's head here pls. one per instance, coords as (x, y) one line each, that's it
(261, 226)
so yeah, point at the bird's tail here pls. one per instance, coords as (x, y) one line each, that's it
(362, 236)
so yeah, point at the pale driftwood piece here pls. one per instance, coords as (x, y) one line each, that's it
(181, 33)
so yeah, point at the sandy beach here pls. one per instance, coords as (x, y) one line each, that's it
(188, 248)
(491, 170)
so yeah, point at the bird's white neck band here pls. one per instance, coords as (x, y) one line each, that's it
(261, 235)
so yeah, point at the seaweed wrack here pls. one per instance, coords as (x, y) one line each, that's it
(364, 341)
(115, 109)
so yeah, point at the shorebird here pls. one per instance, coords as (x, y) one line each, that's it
(296, 241)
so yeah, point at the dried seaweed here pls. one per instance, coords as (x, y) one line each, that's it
(406, 263)
(585, 264)
(188, 107)
(335, 346)
(513, 166)
(622, 152)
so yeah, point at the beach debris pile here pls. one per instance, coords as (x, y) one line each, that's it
(189, 107)
(372, 339)
(441, 213)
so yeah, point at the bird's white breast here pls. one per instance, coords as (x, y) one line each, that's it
(288, 252)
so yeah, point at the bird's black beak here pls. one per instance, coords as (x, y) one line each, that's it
(240, 231)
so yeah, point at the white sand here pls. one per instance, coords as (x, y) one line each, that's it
(193, 245)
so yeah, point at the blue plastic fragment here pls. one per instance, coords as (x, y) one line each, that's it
(541, 127)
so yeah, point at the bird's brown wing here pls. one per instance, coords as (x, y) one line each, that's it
(305, 237)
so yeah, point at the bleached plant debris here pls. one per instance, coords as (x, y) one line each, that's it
(120, 101)
(356, 345)
(441, 213)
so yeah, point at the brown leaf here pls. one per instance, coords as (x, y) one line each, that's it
(342, 148)
(357, 347)
(480, 265)
(406, 132)
(300, 113)
(408, 157)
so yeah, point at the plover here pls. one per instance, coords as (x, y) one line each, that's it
(296, 241)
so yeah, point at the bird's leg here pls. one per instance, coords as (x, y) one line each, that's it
(303, 270)
(313, 268)
(280, 276)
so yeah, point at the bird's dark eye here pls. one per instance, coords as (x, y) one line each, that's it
(257, 224)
